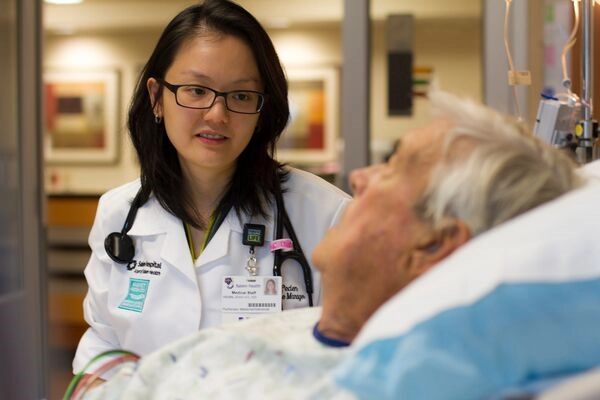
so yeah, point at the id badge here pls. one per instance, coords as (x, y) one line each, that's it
(244, 297)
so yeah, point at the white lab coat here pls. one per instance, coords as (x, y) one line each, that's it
(179, 297)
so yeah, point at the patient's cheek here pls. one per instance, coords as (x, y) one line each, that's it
(325, 252)
(317, 257)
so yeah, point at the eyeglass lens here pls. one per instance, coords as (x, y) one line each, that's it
(202, 97)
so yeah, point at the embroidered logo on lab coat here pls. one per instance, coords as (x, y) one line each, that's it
(145, 267)
(136, 295)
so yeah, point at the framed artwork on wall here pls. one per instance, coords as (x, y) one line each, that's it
(311, 134)
(81, 116)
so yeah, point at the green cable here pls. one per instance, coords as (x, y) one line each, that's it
(77, 378)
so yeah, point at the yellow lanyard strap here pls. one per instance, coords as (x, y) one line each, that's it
(207, 236)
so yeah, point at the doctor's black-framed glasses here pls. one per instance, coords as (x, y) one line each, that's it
(202, 97)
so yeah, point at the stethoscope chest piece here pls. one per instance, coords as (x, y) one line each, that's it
(119, 247)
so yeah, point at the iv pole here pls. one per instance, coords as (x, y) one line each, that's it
(584, 151)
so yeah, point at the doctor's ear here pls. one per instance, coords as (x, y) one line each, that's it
(153, 87)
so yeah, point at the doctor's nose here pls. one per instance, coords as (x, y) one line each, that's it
(218, 111)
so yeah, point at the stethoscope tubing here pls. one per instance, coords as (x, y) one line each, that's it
(119, 245)
(283, 221)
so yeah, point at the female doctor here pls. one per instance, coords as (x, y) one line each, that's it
(178, 249)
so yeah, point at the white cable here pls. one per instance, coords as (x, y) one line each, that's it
(509, 56)
(506, 45)
(572, 39)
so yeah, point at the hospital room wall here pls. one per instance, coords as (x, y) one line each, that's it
(452, 49)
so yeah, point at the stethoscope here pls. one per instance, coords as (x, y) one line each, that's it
(119, 245)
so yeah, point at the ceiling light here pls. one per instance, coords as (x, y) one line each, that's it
(63, 1)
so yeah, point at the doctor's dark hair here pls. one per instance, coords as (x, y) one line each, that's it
(257, 174)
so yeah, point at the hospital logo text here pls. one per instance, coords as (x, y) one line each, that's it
(145, 267)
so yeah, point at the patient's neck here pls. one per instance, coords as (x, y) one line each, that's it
(338, 327)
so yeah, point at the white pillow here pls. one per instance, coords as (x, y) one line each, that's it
(515, 305)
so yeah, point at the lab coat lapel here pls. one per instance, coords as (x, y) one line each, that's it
(220, 245)
(152, 219)
(175, 250)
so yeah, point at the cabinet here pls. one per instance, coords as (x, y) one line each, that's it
(69, 219)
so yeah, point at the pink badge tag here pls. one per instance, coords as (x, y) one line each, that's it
(282, 244)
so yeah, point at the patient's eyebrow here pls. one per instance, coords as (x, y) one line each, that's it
(397, 144)
(394, 154)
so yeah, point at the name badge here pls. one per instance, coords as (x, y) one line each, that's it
(244, 297)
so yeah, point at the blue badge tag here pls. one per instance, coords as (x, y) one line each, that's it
(136, 296)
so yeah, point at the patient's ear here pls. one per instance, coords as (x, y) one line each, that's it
(440, 243)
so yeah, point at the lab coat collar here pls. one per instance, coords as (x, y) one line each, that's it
(153, 219)
(219, 245)
(237, 225)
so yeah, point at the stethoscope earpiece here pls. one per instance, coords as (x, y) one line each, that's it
(119, 247)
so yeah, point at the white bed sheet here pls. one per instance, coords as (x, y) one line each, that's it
(275, 356)
(270, 357)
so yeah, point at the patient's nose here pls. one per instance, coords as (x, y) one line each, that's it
(359, 178)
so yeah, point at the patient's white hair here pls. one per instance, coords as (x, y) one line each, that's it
(492, 168)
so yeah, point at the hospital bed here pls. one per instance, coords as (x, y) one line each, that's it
(515, 313)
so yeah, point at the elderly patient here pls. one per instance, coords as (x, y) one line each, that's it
(467, 171)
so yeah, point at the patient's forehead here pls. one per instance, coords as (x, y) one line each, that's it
(423, 144)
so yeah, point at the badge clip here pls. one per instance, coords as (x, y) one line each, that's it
(254, 235)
